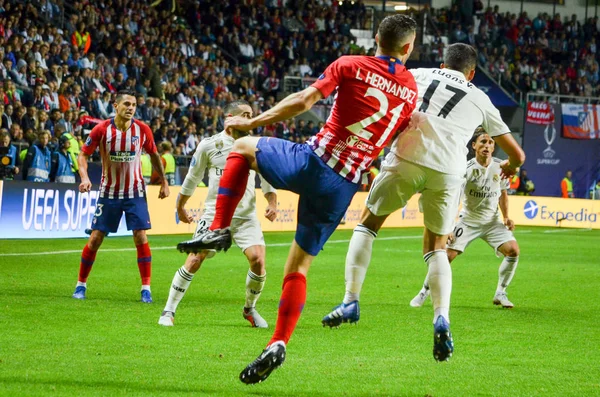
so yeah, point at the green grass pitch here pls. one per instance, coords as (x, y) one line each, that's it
(111, 344)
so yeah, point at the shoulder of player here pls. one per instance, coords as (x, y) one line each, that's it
(496, 160)
(142, 125)
(471, 163)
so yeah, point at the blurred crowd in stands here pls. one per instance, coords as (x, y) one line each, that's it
(539, 54)
(62, 63)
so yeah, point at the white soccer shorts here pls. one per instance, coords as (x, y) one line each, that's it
(399, 180)
(245, 232)
(494, 233)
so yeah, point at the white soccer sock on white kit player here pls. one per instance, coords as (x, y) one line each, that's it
(254, 286)
(440, 282)
(180, 284)
(357, 261)
(506, 272)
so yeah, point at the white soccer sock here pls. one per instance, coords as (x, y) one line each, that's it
(145, 287)
(426, 282)
(357, 261)
(254, 286)
(440, 282)
(181, 282)
(80, 284)
(506, 272)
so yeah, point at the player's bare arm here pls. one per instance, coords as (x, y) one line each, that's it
(82, 161)
(289, 107)
(516, 155)
(503, 202)
(158, 167)
(271, 211)
(181, 211)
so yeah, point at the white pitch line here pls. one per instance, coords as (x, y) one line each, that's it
(173, 247)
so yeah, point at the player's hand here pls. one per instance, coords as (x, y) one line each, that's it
(85, 185)
(238, 123)
(184, 216)
(164, 190)
(510, 224)
(271, 212)
(450, 239)
(508, 171)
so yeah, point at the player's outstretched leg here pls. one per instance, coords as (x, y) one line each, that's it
(506, 272)
(232, 187)
(357, 263)
(180, 284)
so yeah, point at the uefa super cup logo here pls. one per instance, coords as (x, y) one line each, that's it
(549, 136)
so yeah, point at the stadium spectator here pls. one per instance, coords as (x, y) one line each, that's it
(11, 153)
(61, 168)
(595, 190)
(526, 185)
(36, 166)
(566, 185)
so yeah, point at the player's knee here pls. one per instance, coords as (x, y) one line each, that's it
(512, 250)
(245, 146)
(257, 263)
(452, 254)
(95, 241)
(139, 237)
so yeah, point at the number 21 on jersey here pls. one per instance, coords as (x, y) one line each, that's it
(358, 128)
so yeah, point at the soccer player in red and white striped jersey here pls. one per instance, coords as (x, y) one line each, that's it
(122, 189)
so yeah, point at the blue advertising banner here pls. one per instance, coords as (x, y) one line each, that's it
(550, 156)
(47, 210)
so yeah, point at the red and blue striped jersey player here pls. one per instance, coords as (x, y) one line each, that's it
(122, 189)
(375, 97)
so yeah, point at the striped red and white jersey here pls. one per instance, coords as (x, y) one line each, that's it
(375, 98)
(120, 152)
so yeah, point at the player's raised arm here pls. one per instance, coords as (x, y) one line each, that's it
(289, 107)
(516, 155)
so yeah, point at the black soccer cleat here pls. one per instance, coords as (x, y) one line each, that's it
(259, 370)
(218, 240)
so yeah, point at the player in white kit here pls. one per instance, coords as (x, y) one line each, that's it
(211, 154)
(484, 191)
(429, 157)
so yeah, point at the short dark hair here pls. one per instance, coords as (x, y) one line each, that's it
(461, 57)
(394, 30)
(122, 93)
(232, 107)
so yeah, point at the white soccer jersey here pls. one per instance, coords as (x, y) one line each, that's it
(481, 194)
(449, 110)
(212, 153)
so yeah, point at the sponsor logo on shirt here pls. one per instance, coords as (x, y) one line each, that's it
(122, 157)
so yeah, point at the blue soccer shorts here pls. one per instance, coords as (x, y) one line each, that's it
(109, 211)
(324, 195)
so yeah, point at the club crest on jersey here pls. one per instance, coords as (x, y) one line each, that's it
(354, 141)
(135, 140)
(496, 178)
(219, 145)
